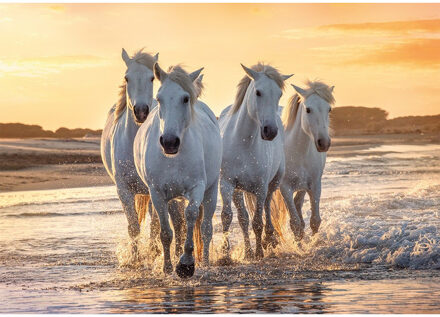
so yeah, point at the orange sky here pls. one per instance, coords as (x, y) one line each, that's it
(60, 64)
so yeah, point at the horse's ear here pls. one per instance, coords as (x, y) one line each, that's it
(200, 78)
(125, 57)
(156, 57)
(159, 73)
(299, 90)
(195, 74)
(286, 77)
(332, 88)
(250, 72)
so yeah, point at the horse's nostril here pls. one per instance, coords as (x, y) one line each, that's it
(319, 142)
(266, 130)
(177, 142)
(161, 140)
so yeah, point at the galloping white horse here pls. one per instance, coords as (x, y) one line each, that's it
(123, 121)
(306, 123)
(253, 156)
(178, 154)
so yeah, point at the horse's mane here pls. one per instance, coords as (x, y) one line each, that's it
(314, 87)
(140, 57)
(244, 83)
(181, 77)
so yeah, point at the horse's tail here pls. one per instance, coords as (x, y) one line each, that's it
(277, 216)
(197, 236)
(141, 206)
(279, 213)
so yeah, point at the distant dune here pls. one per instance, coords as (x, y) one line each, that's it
(20, 130)
(353, 120)
(348, 120)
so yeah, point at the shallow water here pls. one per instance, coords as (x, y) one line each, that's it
(378, 250)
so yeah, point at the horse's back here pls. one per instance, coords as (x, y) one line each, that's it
(106, 139)
(212, 143)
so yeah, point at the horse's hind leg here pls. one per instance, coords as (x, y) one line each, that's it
(209, 205)
(226, 190)
(176, 209)
(243, 220)
(315, 219)
(299, 201)
(295, 221)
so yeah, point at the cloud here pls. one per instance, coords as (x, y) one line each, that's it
(396, 27)
(417, 52)
(388, 29)
(46, 65)
(5, 19)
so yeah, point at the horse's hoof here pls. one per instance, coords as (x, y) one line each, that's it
(259, 253)
(185, 270)
(168, 269)
(298, 232)
(248, 255)
(315, 226)
(270, 241)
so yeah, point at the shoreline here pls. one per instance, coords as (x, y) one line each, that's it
(39, 164)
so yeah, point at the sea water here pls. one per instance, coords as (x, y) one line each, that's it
(377, 250)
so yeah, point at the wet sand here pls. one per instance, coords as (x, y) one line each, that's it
(30, 164)
(36, 164)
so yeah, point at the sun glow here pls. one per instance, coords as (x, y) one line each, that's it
(60, 64)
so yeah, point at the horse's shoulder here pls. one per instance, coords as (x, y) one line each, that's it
(205, 110)
(225, 111)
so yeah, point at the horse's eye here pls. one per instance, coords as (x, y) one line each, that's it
(308, 110)
(152, 79)
(258, 93)
(185, 99)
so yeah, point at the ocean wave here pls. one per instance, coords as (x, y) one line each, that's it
(60, 214)
(394, 230)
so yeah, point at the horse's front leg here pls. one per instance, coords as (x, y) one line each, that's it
(315, 196)
(186, 266)
(257, 224)
(176, 208)
(166, 234)
(270, 238)
(226, 191)
(154, 249)
(126, 195)
(243, 220)
(209, 205)
(299, 201)
(295, 221)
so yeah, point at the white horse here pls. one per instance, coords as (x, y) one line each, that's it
(123, 121)
(306, 141)
(178, 154)
(253, 156)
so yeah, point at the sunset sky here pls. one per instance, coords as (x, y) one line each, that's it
(60, 64)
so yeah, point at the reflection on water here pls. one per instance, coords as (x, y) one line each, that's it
(378, 250)
(306, 297)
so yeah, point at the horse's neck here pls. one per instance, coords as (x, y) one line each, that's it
(128, 124)
(246, 127)
(297, 139)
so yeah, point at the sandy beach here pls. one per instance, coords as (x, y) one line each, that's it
(36, 164)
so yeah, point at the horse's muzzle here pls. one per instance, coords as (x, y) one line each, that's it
(323, 144)
(268, 132)
(170, 143)
(141, 113)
